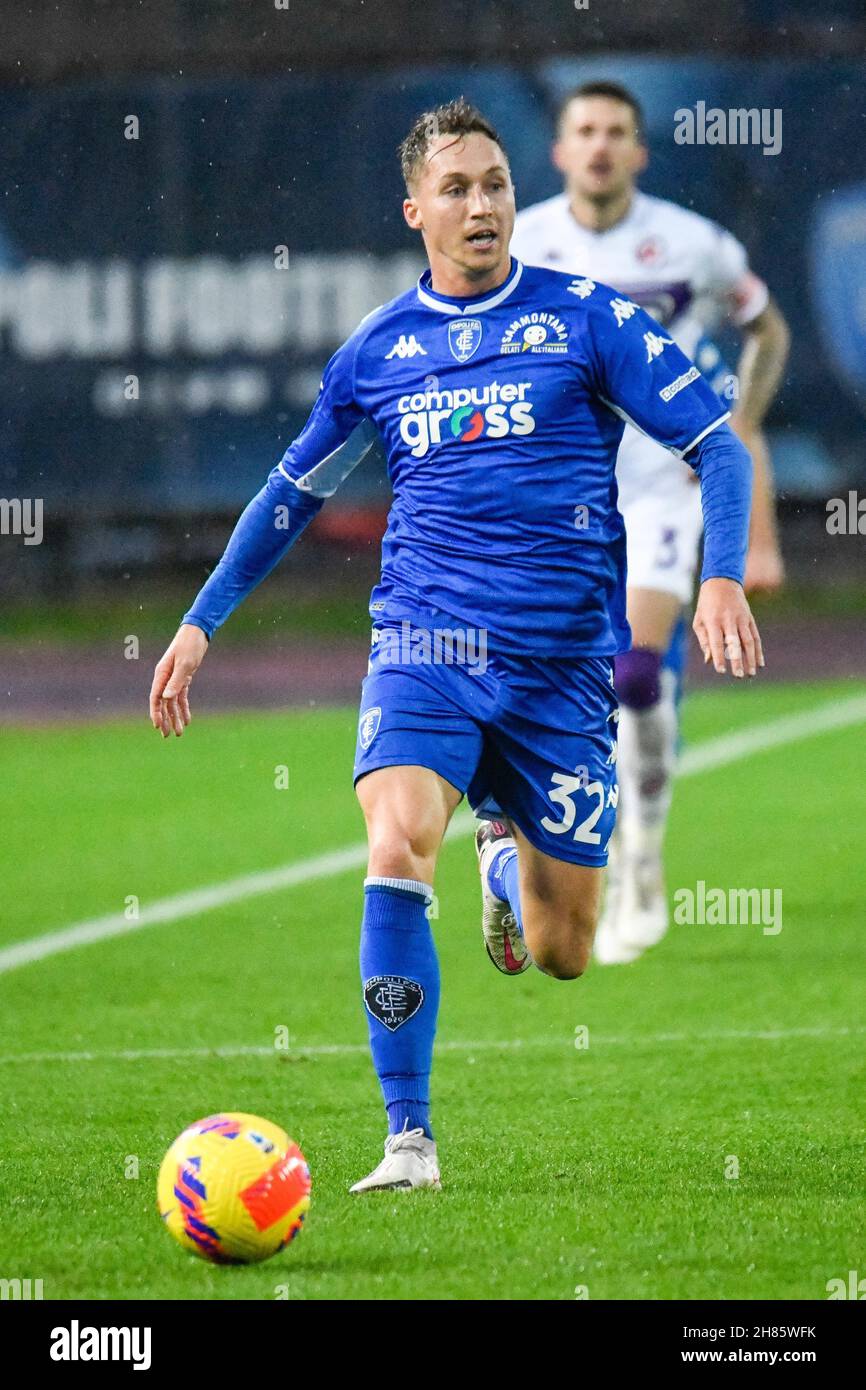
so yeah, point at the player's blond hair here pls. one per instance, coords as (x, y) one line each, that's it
(458, 117)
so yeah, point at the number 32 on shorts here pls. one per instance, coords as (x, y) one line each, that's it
(565, 786)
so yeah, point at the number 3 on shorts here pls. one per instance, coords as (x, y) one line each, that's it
(562, 792)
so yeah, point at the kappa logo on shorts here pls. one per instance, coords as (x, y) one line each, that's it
(393, 999)
(368, 726)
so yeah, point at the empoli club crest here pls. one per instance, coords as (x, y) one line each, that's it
(464, 338)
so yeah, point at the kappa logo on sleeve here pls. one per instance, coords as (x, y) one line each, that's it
(655, 345)
(623, 309)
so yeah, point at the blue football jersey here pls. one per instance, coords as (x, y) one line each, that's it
(501, 416)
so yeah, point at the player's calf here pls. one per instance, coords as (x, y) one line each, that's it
(559, 937)
(559, 904)
(406, 809)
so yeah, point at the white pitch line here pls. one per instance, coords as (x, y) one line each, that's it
(790, 728)
(565, 1044)
(713, 753)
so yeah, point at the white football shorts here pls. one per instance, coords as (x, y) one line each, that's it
(660, 501)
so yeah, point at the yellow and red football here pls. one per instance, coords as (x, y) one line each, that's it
(233, 1188)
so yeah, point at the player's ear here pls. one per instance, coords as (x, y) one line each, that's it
(641, 159)
(556, 156)
(412, 214)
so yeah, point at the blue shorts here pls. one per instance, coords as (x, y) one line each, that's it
(529, 737)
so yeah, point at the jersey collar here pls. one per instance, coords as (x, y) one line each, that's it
(476, 305)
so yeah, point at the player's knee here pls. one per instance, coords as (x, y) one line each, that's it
(637, 678)
(398, 851)
(563, 963)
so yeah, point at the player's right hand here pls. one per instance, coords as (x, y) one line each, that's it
(169, 694)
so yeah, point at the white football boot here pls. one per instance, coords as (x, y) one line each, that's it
(410, 1162)
(647, 747)
(609, 947)
(643, 920)
(502, 940)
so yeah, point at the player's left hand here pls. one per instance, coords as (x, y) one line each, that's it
(725, 628)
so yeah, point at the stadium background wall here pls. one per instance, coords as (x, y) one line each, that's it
(150, 261)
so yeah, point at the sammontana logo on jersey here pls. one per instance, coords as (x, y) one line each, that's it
(536, 332)
(464, 413)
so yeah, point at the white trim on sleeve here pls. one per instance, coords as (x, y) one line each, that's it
(681, 453)
(678, 453)
(323, 479)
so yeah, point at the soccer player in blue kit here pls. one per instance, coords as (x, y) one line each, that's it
(500, 393)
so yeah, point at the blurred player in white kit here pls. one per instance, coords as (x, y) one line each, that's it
(691, 275)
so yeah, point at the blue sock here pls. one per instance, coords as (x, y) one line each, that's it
(400, 978)
(502, 876)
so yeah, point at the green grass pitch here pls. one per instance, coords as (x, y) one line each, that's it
(601, 1168)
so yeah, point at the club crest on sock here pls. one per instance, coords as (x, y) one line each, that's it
(393, 999)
